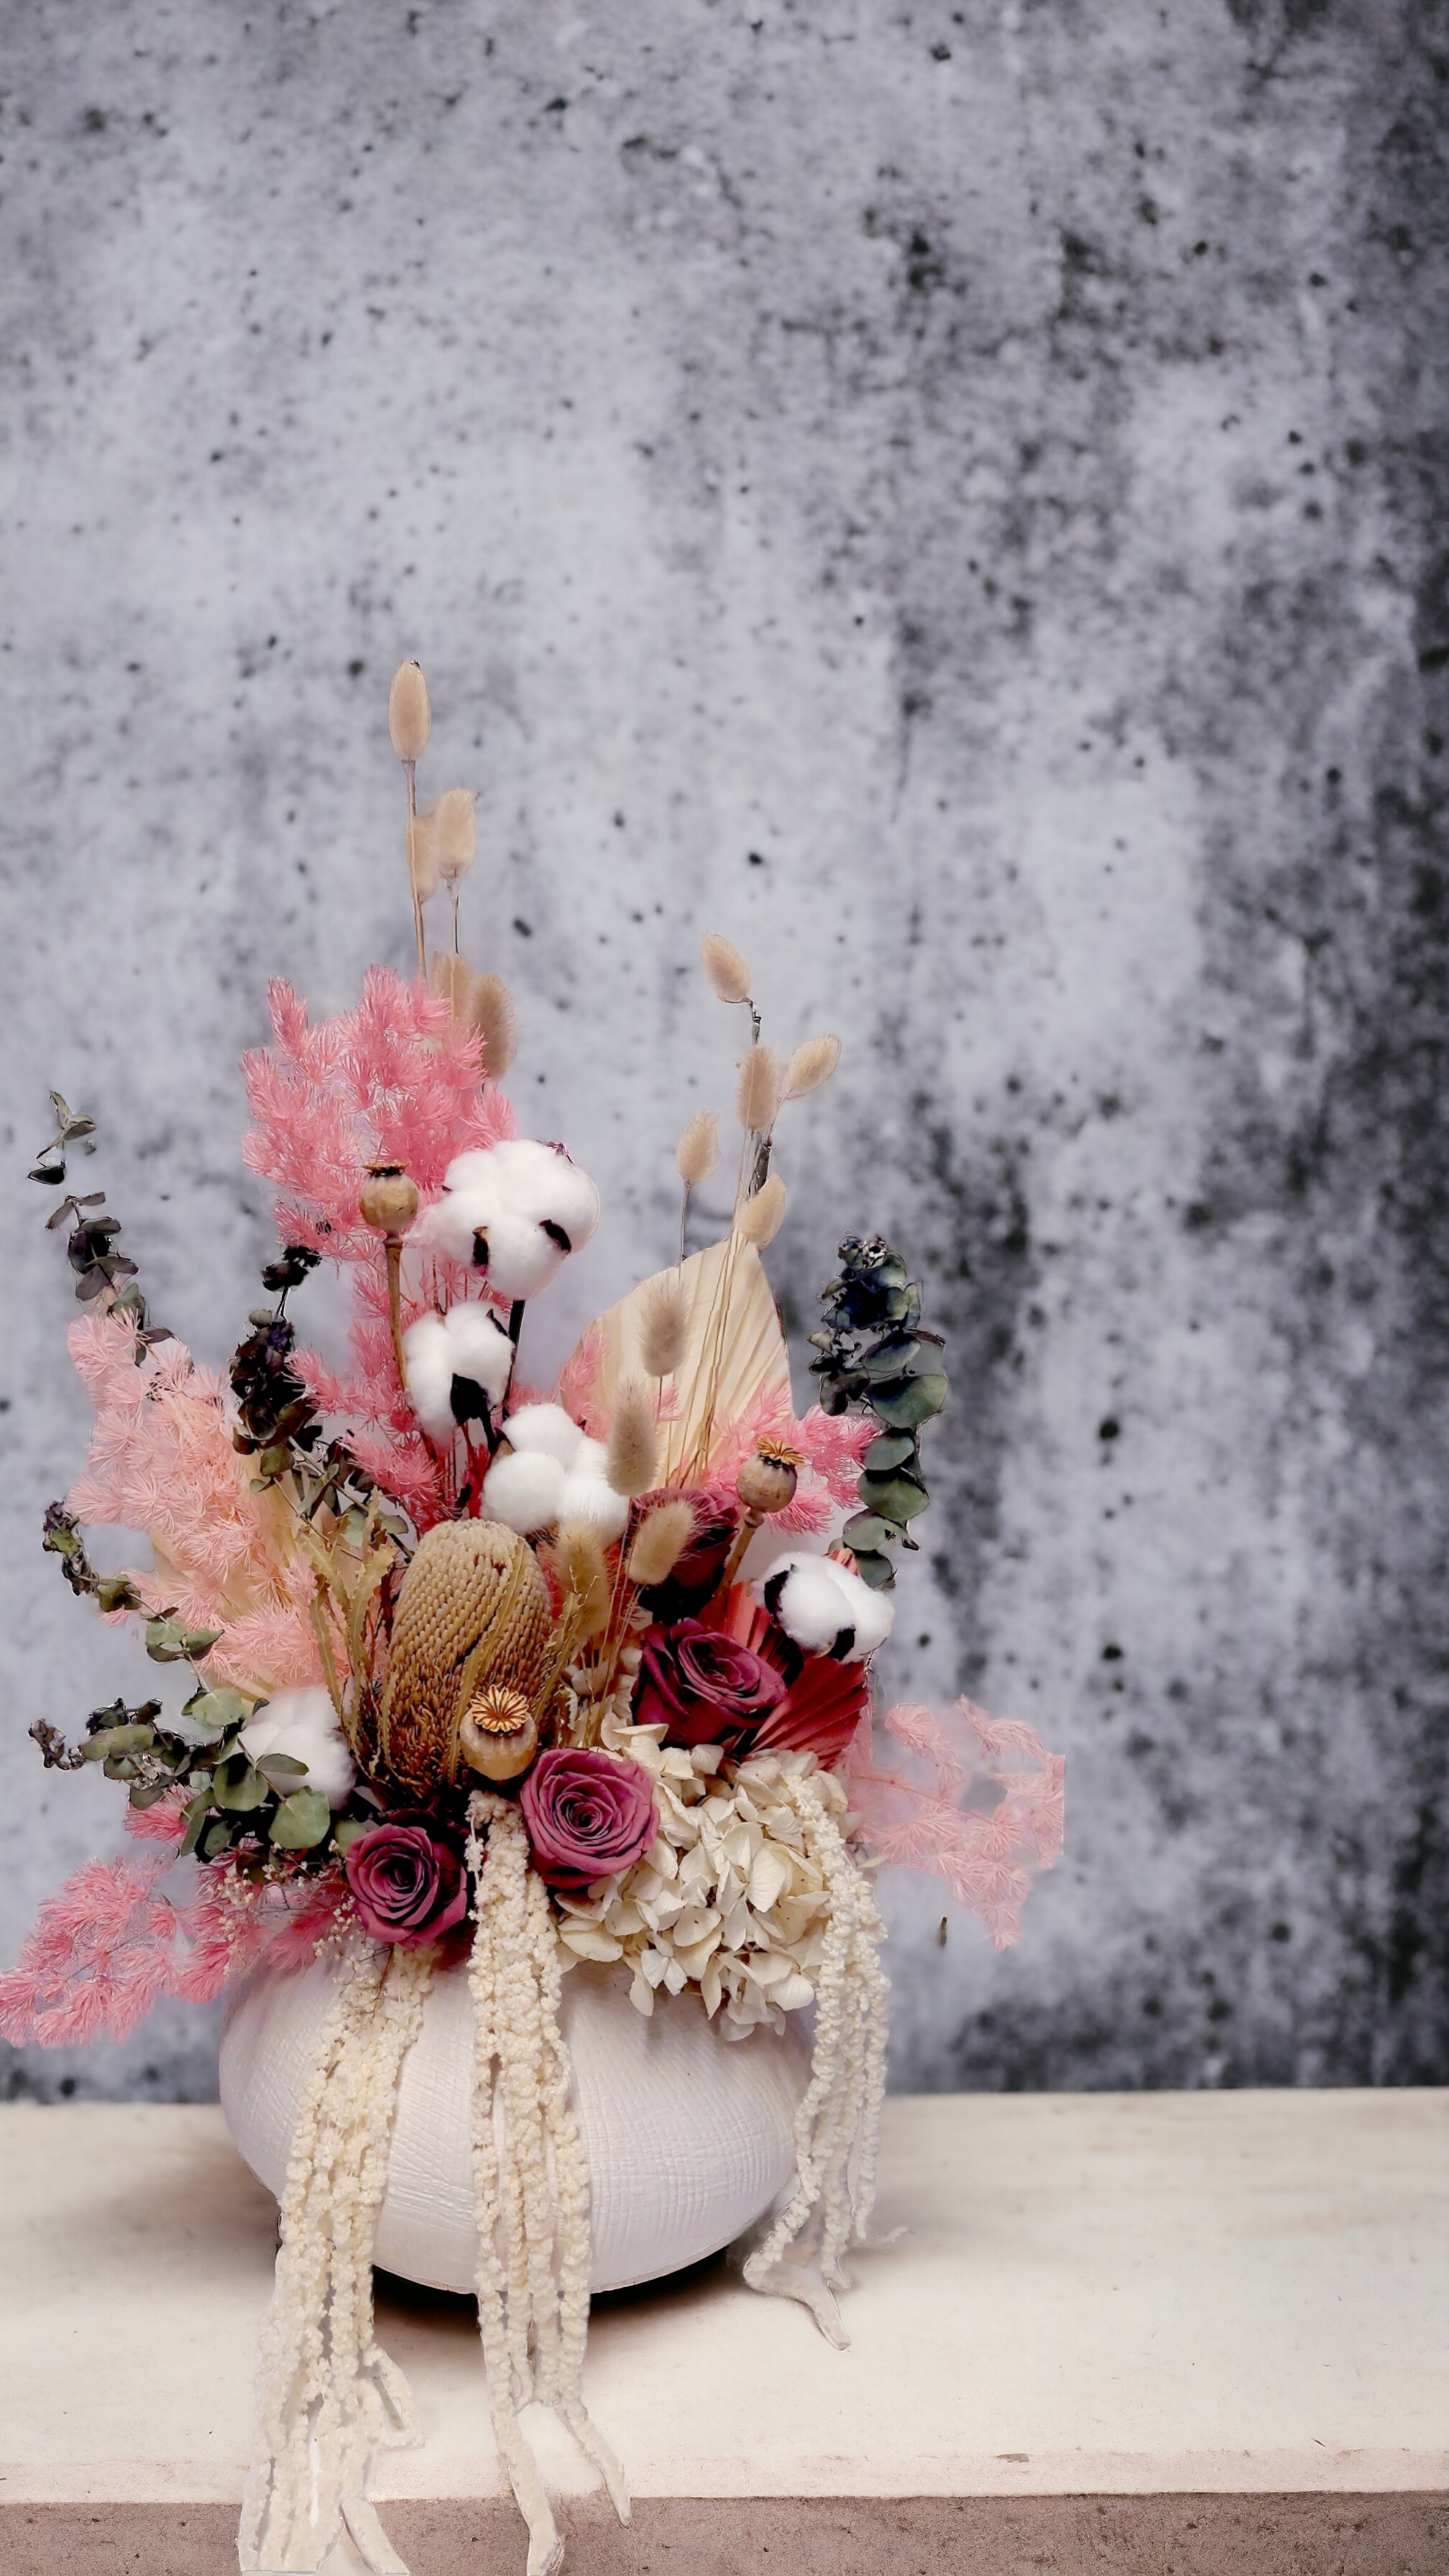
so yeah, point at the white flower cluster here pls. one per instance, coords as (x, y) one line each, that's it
(728, 1897)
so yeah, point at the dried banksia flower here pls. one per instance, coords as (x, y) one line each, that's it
(452, 831)
(697, 1151)
(810, 1065)
(661, 1334)
(496, 1021)
(633, 1442)
(758, 1219)
(757, 1093)
(586, 1577)
(725, 968)
(664, 1534)
(409, 717)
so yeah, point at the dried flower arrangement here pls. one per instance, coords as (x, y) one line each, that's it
(476, 1673)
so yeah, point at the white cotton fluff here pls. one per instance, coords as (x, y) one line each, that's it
(547, 1430)
(825, 1608)
(589, 1500)
(303, 1723)
(515, 1212)
(525, 1491)
(468, 1342)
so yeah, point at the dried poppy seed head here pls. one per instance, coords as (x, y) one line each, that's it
(388, 1200)
(766, 1483)
(409, 717)
(499, 1734)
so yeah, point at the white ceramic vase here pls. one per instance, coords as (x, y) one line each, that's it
(689, 2136)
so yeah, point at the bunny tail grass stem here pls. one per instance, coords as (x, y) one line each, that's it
(411, 767)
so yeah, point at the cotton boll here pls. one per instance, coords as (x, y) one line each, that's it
(430, 1375)
(513, 1211)
(590, 1502)
(303, 1724)
(547, 1429)
(467, 1343)
(516, 1256)
(824, 1608)
(540, 1182)
(525, 1491)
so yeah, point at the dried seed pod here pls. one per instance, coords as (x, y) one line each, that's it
(633, 1442)
(725, 968)
(697, 1151)
(766, 1483)
(496, 1021)
(810, 1065)
(498, 1735)
(757, 1093)
(662, 1328)
(409, 717)
(759, 1219)
(664, 1534)
(388, 1200)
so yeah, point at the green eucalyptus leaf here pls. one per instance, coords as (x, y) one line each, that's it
(913, 1400)
(890, 1449)
(111, 1740)
(216, 1839)
(214, 1709)
(895, 1498)
(895, 1355)
(281, 1768)
(345, 1833)
(239, 1787)
(301, 1821)
(877, 1571)
(867, 1530)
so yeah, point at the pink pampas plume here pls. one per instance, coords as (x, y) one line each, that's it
(983, 1854)
(96, 1959)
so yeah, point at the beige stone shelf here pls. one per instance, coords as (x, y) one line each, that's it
(1151, 2297)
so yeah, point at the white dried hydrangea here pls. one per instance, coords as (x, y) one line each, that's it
(726, 1898)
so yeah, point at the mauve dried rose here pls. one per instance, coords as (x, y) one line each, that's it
(406, 1885)
(696, 1571)
(705, 1688)
(588, 1814)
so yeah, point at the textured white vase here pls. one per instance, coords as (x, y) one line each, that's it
(689, 2136)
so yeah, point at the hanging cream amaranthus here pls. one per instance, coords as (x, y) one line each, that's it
(474, 1672)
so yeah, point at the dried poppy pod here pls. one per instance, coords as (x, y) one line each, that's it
(765, 1485)
(388, 1200)
(499, 1734)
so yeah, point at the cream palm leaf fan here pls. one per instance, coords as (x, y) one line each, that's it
(733, 1351)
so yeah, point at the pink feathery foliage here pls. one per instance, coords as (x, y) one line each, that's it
(578, 1378)
(984, 1853)
(161, 1460)
(831, 1449)
(164, 1822)
(394, 1081)
(107, 1945)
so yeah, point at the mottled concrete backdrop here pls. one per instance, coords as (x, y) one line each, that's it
(955, 498)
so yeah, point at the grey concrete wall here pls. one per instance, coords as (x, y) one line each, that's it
(952, 497)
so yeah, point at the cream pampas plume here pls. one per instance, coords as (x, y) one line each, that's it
(759, 1219)
(757, 1093)
(496, 1022)
(409, 717)
(810, 1065)
(633, 1443)
(664, 1534)
(580, 1559)
(662, 1328)
(726, 968)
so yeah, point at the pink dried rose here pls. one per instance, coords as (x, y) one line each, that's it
(588, 1815)
(704, 1687)
(407, 1886)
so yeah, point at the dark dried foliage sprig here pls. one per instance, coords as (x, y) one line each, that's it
(876, 1356)
(103, 1276)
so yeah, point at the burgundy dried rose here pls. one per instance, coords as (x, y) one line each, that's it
(696, 1571)
(705, 1688)
(407, 1886)
(587, 1814)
